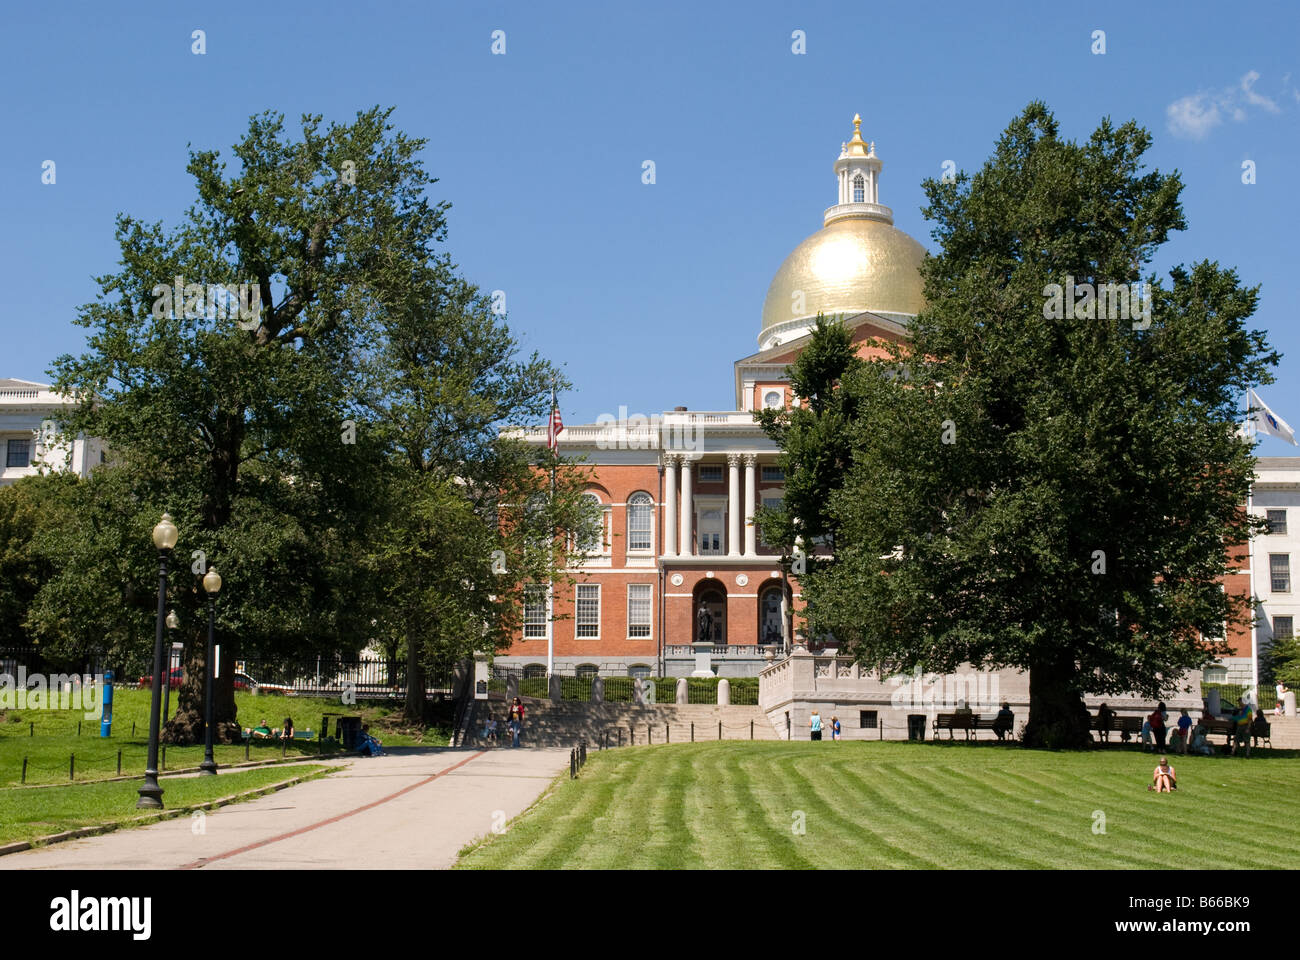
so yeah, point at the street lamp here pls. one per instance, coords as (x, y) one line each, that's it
(165, 536)
(173, 622)
(212, 584)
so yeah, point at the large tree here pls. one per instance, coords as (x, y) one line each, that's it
(237, 424)
(1043, 488)
(461, 489)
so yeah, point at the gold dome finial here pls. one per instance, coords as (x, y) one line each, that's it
(856, 147)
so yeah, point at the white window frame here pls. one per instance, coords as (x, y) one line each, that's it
(859, 189)
(650, 612)
(1290, 633)
(546, 605)
(1268, 516)
(1272, 579)
(577, 611)
(649, 507)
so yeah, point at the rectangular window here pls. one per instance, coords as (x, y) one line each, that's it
(773, 475)
(1277, 521)
(536, 621)
(588, 611)
(711, 473)
(638, 610)
(1279, 571)
(19, 454)
(1283, 627)
(867, 719)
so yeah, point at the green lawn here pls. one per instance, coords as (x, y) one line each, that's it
(26, 814)
(48, 738)
(898, 805)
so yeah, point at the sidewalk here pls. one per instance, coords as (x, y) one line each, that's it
(408, 810)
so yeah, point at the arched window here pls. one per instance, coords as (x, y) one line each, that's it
(859, 189)
(640, 518)
(596, 542)
(639, 670)
(587, 670)
(771, 617)
(534, 670)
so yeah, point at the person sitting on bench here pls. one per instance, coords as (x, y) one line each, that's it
(1004, 721)
(287, 732)
(261, 732)
(1164, 780)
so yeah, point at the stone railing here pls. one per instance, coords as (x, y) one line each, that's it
(721, 650)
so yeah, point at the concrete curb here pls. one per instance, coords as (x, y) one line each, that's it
(99, 828)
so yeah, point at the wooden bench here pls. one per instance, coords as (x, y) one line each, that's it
(991, 723)
(1260, 729)
(954, 721)
(1118, 724)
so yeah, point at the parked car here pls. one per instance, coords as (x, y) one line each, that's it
(177, 676)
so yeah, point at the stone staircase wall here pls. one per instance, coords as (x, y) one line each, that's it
(563, 723)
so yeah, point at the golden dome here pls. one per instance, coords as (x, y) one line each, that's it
(848, 266)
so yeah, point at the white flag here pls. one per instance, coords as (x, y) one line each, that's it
(1263, 419)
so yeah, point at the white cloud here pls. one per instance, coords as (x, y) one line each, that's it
(1195, 115)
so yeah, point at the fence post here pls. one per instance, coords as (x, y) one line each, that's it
(719, 729)
(31, 729)
(668, 737)
(72, 765)
(78, 728)
(133, 728)
(631, 736)
(24, 780)
(751, 729)
(246, 743)
(284, 748)
(119, 763)
(620, 736)
(649, 734)
(692, 731)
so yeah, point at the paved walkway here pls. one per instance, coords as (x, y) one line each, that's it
(411, 809)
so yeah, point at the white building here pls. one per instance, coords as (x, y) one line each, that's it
(1276, 496)
(31, 437)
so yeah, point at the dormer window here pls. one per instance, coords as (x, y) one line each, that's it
(859, 189)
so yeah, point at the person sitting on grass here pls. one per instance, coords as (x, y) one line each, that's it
(1163, 779)
(367, 745)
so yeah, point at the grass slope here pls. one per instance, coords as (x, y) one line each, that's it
(26, 814)
(48, 737)
(902, 805)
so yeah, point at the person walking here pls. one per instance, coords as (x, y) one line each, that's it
(516, 721)
(835, 728)
(815, 721)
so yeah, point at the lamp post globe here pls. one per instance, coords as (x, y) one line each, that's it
(165, 536)
(212, 585)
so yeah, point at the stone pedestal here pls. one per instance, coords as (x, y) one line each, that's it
(638, 691)
(481, 676)
(598, 690)
(683, 697)
(1288, 703)
(703, 659)
(554, 688)
(724, 692)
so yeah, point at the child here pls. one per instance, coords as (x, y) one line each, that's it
(835, 728)
(1146, 734)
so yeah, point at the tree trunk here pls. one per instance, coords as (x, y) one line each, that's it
(1058, 718)
(414, 679)
(187, 726)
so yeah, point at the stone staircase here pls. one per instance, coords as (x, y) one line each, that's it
(563, 723)
(1285, 731)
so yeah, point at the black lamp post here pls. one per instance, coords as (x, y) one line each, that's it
(165, 536)
(173, 622)
(212, 584)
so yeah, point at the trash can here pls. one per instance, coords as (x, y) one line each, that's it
(916, 726)
(349, 731)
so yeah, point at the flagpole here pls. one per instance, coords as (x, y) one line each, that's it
(1250, 555)
(555, 451)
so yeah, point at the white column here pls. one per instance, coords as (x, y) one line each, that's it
(670, 503)
(733, 505)
(686, 546)
(751, 491)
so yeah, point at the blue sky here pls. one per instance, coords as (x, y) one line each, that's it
(646, 293)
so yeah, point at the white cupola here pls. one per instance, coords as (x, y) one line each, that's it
(857, 171)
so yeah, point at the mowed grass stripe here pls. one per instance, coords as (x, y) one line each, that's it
(966, 843)
(1070, 827)
(859, 845)
(1148, 835)
(730, 805)
(773, 836)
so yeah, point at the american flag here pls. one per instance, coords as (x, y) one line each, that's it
(555, 426)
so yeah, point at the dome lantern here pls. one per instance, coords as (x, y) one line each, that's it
(857, 171)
